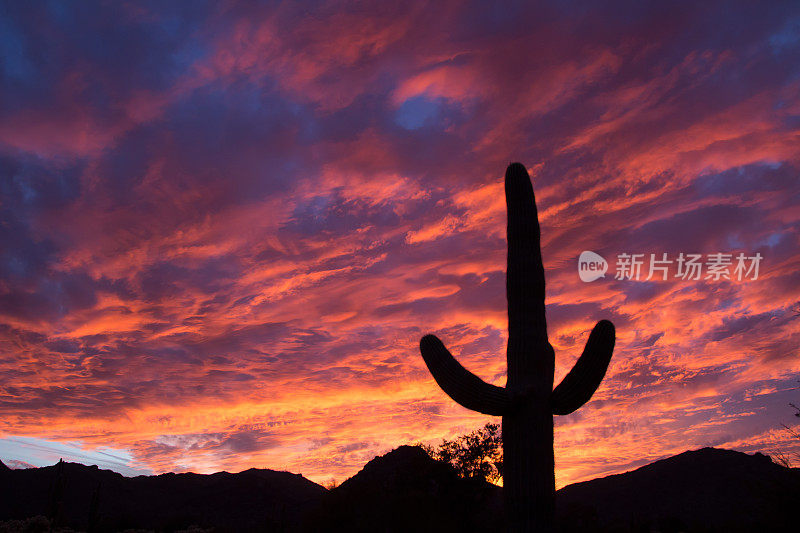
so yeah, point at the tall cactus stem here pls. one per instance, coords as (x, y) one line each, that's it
(528, 401)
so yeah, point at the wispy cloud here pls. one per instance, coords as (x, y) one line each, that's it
(225, 228)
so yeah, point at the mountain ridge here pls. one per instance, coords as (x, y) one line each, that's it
(706, 490)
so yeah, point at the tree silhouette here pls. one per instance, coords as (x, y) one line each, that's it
(478, 454)
(788, 459)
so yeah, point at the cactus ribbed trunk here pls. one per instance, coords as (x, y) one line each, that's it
(529, 485)
(528, 401)
(528, 469)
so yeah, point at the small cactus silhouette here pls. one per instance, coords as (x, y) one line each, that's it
(528, 402)
(55, 506)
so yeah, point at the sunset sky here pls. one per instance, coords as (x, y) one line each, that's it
(224, 228)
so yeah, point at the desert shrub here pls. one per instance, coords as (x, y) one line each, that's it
(478, 454)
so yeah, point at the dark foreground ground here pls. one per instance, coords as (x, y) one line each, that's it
(708, 490)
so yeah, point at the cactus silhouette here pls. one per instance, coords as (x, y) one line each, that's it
(528, 401)
(55, 506)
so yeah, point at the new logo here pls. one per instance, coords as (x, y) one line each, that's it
(591, 266)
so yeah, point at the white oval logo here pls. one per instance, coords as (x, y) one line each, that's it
(591, 266)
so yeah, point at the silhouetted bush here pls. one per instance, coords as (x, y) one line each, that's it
(478, 454)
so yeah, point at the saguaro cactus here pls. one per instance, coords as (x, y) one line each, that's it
(528, 402)
(55, 506)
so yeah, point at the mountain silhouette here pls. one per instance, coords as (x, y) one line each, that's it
(253, 500)
(708, 490)
(406, 490)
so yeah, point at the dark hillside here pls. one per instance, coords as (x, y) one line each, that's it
(708, 490)
(703, 490)
(406, 490)
(253, 500)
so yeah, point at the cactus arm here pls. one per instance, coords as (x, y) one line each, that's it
(459, 383)
(580, 383)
